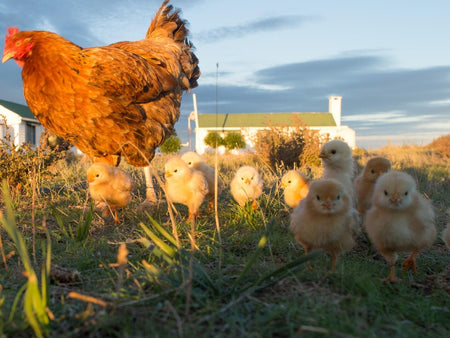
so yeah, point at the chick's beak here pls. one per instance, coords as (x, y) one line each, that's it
(323, 155)
(247, 181)
(7, 55)
(168, 174)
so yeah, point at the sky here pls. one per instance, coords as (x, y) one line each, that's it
(389, 60)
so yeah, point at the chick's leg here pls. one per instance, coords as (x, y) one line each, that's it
(410, 262)
(391, 258)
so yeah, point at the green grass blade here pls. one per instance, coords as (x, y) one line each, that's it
(162, 231)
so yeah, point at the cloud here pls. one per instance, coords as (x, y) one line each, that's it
(378, 99)
(261, 25)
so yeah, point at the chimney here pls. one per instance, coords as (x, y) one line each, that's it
(335, 108)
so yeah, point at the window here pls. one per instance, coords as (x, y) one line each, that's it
(30, 134)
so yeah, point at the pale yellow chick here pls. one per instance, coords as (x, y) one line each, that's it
(365, 182)
(295, 186)
(109, 185)
(400, 220)
(195, 161)
(337, 162)
(185, 185)
(324, 219)
(246, 185)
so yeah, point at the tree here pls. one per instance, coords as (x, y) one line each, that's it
(171, 145)
(234, 140)
(213, 139)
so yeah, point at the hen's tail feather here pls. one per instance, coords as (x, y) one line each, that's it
(168, 23)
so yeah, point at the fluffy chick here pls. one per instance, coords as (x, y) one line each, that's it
(295, 186)
(324, 219)
(400, 220)
(185, 185)
(365, 182)
(109, 185)
(337, 162)
(246, 185)
(195, 161)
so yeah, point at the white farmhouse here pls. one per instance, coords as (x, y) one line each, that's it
(22, 125)
(327, 123)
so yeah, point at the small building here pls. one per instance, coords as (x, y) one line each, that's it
(327, 123)
(23, 127)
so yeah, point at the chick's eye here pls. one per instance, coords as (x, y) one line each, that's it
(406, 193)
(176, 170)
(372, 171)
(338, 197)
(97, 175)
(289, 182)
(385, 193)
(333, 151)
(318, 197)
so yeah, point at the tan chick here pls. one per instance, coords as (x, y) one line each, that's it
(295, 186)
(365, 182)
(185, 185)
(195, 161)
(246, 185)
(324, 219)
(337, 162)
(109, 185)
(400, 220)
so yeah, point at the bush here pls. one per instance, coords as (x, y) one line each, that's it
(18, 165)
(234, 140)
(171, 145)
(441, 146)
(213, 139)
(289, 146)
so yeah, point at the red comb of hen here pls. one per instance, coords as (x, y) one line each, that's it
(12, 31)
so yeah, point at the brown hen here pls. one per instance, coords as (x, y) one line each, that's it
(110, 101)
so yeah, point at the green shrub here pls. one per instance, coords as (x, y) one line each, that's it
(213, 139)
(171, 145)
(234, 140)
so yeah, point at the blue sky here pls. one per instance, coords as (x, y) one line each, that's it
(389, 60)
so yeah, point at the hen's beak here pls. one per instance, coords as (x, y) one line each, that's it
(7, 56)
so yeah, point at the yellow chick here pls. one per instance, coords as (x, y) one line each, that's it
(400, 220)
(337, 162)
(195, 161)
(185, 185)
(295, 186)
(111, 186)
(246, 185)
(324, 219)
(365, 182)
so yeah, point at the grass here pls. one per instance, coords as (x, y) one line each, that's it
(259, 286)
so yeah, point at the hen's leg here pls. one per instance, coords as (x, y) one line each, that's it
(150, 195)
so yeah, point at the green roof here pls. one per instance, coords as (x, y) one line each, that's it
(17, 108)
(261, 120)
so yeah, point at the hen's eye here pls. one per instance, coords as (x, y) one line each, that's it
(385, 193)
(372, 171)
(18, 42)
